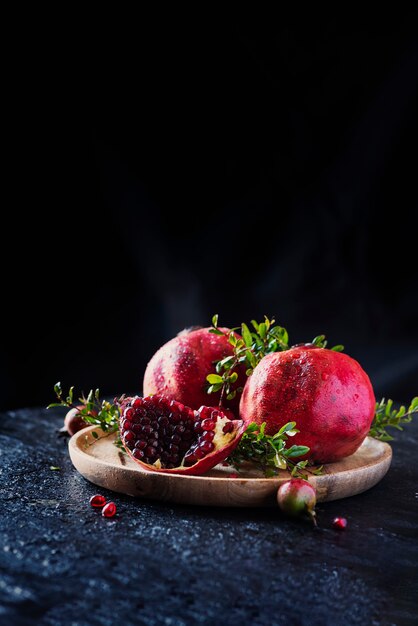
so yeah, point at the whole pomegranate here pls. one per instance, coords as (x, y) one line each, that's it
(179, 368)
(73, 420)
(327, 394)
(297, 498)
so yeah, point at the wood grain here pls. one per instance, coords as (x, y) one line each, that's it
(102, 463)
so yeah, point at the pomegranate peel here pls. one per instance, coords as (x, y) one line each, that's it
(163, 435)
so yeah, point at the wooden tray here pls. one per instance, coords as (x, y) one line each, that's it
(103, 464)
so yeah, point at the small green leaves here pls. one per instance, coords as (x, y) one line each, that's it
(321, 342)
(270, 452)
(388, 417)
(246, 335)
(248, 349)
(214, 378)
(101, 413)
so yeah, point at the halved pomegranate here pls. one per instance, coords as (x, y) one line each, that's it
(164, 435)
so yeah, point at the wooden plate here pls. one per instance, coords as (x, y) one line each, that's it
(103, 464)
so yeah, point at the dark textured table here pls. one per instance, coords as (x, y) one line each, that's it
(163, 564)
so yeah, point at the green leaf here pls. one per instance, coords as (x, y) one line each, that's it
(70, 395)
(246, 335)
(215, 320)
(338, 348)
(216, 331)
(214, 379)
(319, 341)
(295, 451)
(286, 428)
(58, 389)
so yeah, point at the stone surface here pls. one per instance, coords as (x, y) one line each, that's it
(157, 564)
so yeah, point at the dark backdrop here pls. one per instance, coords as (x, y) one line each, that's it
(161, 171)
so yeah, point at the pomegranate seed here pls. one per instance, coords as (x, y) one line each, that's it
(340, 523)
(97, 501)
(206, 447)
(205, 411)
(208, 435)
(129, 435)
(208, 424)
(198, 427)
(199, 454)
(190, 458)
(228, 428)
(109, 510)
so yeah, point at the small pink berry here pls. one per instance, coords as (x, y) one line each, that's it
(340, 523)
(109, 510)
(97, 501)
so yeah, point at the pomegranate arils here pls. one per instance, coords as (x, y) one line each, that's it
(209, 435)
(206, 446)
(97, 501)
(339, 523)
(164, 434)
(109, 510)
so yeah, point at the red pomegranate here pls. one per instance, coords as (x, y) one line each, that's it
(163, 435)
(73, 420)
(327, 394)
(179, 368)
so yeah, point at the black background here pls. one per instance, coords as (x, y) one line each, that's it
(163, 170)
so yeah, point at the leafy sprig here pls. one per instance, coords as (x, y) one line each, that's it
(270, 453)
(92, 409)
(249, 348)
(387, 417)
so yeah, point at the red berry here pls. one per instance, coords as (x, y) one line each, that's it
(109, 510)
(340, 523)
(97, 501)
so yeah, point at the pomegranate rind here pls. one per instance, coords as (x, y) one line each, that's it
(226, 444)
(327, 394)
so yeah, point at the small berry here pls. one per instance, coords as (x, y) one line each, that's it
(97, 501)
(109, 510)
(340, 523)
